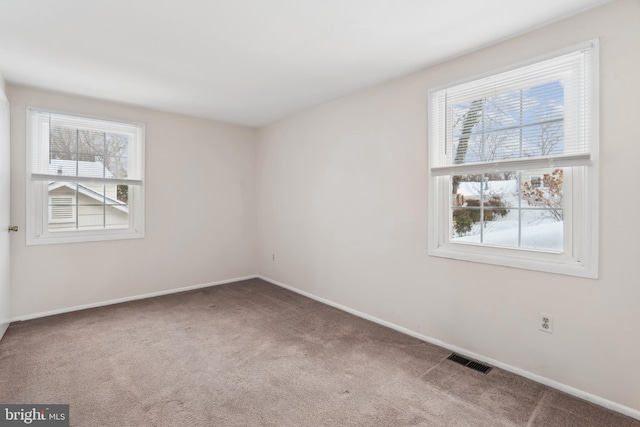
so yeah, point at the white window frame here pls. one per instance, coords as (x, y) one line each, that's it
(581, 186)
(37, 220)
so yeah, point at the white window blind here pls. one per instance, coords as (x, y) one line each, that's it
(535, 116)
(79, 149)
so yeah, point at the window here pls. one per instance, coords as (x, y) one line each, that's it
(513, 166)
(84, 178)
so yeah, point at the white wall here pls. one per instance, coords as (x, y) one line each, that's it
(5, 284)
(200, 212)
(342, 203)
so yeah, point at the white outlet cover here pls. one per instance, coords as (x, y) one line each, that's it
(546, 323)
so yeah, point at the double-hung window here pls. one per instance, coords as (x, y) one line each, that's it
(513, 166)
(85, 178)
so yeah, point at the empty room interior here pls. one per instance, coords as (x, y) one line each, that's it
(337, 213)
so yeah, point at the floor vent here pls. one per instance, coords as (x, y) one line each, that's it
(469, 363)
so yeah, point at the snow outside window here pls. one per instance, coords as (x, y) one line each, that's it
(84, 178)
(513, 166)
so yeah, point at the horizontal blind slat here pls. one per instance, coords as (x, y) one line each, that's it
(518, 113)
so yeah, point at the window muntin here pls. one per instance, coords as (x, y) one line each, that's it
(506, 210)
(512, 166)
(96, 165)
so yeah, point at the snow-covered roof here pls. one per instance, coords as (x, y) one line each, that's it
(68, 168)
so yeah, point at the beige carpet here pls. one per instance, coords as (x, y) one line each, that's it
(253, 354)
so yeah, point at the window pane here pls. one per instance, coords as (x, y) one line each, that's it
(543, 189)
(543, 103)
(92, 166)
(117, 207)
(117, 151)
(91, 143)
(88, 153)
(501, 145)
(500, 227)
(466, 194)
(500, 190)
(543, 140)
(86, 206)
(510, 209)
(63, 142)
(543, 209)
(117, 217)
(496, 190)
(495, 197)
(117, 145)
(465, 225)
(466, 116)
(62, 206)
(465, 188)
(122, 193)
(90, 194)
(78, 165)
(540, 230)
(90, 217)
(116, 166)
(525, 122)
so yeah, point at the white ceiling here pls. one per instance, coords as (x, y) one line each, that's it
(249, 62)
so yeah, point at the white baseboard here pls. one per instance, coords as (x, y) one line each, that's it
(131, 298)
(630, 412)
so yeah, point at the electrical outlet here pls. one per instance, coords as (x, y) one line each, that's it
(546, 323)
(273, 257)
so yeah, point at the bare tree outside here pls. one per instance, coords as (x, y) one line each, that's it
(547, 195)
(110, 149)
(545, 138)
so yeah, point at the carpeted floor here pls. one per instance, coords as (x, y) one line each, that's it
(253, 354)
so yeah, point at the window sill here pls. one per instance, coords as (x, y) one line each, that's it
(524, 259)
(84, 236)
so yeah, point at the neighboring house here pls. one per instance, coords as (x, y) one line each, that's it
(84, 205)
(508, 190)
